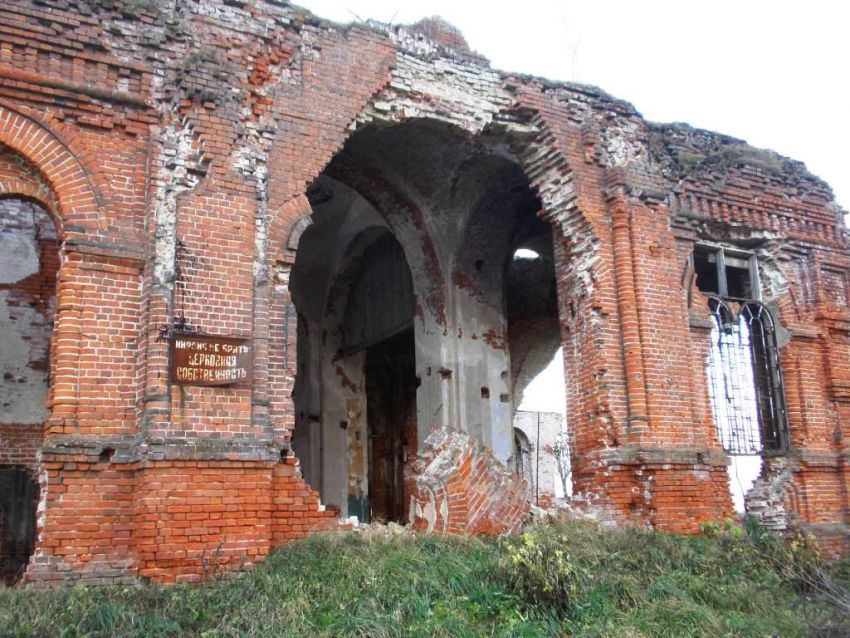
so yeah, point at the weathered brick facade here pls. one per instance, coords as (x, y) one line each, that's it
(180, 150)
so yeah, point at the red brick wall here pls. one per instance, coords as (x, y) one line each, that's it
(196, 519)
(89, 522)
(802, 250)
(175, 161)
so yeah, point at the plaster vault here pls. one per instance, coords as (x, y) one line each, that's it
(368, 242)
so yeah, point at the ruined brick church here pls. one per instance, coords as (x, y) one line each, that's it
(261, 274)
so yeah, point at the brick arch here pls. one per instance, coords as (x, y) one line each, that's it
(73, 202)
(19, 179)
(26, 190)
(297, 230)
(546, 150)
(550, 176)
(78, 201)
(286, 226)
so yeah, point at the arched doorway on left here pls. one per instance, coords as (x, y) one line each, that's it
(29, 262)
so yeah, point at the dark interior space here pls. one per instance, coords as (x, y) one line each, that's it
(391, 400)
(18, 500)
(705, 267)
(738, 281)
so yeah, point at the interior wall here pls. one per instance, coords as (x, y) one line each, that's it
(29, 261)
(307, 433)
(344, 482)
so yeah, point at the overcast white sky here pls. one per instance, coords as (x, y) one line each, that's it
(772, 73)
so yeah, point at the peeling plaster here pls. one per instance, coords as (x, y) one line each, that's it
(24, 337)
(25, 317)
(18, 257)
(181, 172)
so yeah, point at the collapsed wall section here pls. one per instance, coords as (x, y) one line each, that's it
(461, 488)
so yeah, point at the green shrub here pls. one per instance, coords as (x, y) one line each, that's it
(542, 569)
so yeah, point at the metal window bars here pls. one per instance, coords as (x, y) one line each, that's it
(745, 379)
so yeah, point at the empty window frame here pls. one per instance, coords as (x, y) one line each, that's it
(745, 379)
(729, 274)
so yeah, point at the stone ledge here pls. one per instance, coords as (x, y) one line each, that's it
(630, 455)
(134, 449)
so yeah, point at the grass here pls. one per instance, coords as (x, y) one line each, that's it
(624, 583)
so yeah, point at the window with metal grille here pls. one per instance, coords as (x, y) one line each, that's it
(745, 379)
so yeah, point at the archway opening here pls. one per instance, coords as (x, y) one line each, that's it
(29, 262)
(537, 362)
(506, 263)
(426, 298)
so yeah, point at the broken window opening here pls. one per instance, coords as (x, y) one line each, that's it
(541, 417)
(522, 455)
(526, 253)
(744, 374)
(744, 470)
(726, 273)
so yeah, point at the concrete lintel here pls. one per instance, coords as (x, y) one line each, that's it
(633, 455)
(700, 322)
(105, 249)
(821, 459)
(133, 449)
(801, 332)
(59, 445)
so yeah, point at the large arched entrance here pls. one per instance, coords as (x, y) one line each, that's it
(412, 308)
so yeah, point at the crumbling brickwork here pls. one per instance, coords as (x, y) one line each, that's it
(462, 489)
(222, 168)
